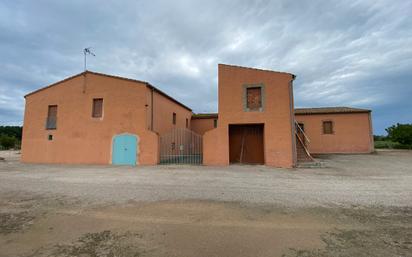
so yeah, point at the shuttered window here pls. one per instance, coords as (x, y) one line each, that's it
(97, 110)
(327, 127)
(51, 122)
(254, 98)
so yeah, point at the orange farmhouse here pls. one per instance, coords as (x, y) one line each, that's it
(94, 118)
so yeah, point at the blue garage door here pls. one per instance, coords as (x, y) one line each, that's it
(124, 150)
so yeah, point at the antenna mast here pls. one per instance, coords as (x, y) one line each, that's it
(87, 51)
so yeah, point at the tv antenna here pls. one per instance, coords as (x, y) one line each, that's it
(87, 51)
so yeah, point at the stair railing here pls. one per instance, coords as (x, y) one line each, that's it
(305, 137)
(302, 141)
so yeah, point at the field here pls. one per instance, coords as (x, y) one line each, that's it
(356, 205)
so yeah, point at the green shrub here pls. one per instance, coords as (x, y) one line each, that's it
(401, 133)
(382, 144)
(7, 142)
(12, 131)
(401, 146)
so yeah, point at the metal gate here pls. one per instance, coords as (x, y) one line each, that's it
(181, 146)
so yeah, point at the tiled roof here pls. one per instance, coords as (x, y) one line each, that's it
(257, 69)
(299, 111)
(204, 115)
(329, 110)
(115, 77)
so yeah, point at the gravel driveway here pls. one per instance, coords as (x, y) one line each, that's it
(359, 205)
(382, 179)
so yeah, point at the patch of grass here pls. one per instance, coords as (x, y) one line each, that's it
(100, 244)
(387, 144)
(400, 146)
(15, 222)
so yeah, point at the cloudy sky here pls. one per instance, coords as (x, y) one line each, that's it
(344, 53)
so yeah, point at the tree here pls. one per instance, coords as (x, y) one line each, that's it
(7, 141)
(12, 131)
(401, 133)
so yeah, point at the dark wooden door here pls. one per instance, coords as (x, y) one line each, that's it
(246, 144)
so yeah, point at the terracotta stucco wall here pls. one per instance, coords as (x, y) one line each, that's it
(352, 133)
(277, 115)
(163, 114)
(79, 138)
(200, 126)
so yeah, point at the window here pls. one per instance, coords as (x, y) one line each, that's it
(215, 123)
(51, 121)
(187, 123)
(174, 119)
(254, 98)
(327, 127)
(97, 110)
(50, 137)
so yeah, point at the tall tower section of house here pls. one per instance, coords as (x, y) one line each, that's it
(256, 119)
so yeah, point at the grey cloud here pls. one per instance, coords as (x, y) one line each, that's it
(343, 52)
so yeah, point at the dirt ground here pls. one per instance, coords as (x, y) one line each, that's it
(359, 205)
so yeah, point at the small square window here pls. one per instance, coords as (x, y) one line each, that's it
(327, 127)
(174, 119)
(97, 110)
(253, 97)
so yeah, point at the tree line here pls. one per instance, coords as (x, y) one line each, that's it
(10, 137)
(399, 137)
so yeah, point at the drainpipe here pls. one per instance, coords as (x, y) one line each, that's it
(151, 113)
(371, 144)
(292, 114)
